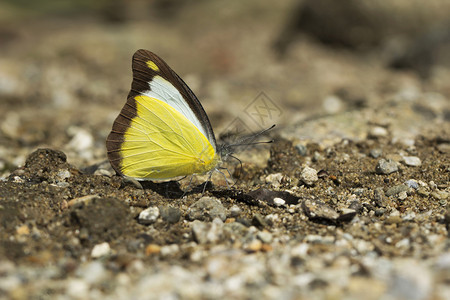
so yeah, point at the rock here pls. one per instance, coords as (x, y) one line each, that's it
(410, 280)
(316, 209)
(377, 132)
(268, 196)
(206, 209)
(274, 179)
(62, 175)
(264, 236)
(332, 104)
(386, 167)
(100, 250)
(254, 245)
(375, 153)
(423, 192)
(82, 141)
(317, 156)
(205, 233)
(92, 272)
(77, 288)
(169, 214)
(439, 195)
(309, 176)
(412, 161)
(444, 147)
(235, 211)
(235, 229)
(301, 149)
(149, 216)
(152, 249)
(347, 214)
(379, 197)
(395, 190)
(82, 200)
(169, 250)
(412, 184)
(259, 221)
(278, 201)
(402, 195)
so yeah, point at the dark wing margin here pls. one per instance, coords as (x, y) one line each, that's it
(116, 136)
(142, 75)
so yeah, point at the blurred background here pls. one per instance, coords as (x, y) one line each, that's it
(65, 65)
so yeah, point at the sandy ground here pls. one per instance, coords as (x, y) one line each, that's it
(349, 201)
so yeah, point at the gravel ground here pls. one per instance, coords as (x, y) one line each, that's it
(350, 201)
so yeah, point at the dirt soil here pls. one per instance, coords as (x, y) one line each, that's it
(350, 201)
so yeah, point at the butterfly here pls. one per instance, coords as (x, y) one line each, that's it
(162, 132)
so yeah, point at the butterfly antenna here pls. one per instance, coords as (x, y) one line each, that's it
(253, 137)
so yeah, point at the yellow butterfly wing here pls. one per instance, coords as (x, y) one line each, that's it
(162, 131)
(161, 143)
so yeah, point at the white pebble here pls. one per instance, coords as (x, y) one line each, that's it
(332, 104)
(309, 176)
(278, 201)
(149, 215)
(412, 161)
(100, 250)
(378, 131)
(274, 179)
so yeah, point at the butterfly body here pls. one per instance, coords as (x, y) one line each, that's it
(162, 132)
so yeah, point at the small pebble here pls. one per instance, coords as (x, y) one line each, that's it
(309, 176)
(402, 195)
(149, 215)
(235, 211)
(301, 149)
(378, 131)
(274, 179)
(316, 209)
(254, 246)
(100, 250)
(205, 233)
(170, 214)
(259, 221)
(62, 175)
(152, 249)
(347, 214)
(92, 272)
(395, 190)
(206, 209)
(82, 141)
(264, 236)
(169, 249)
(278, 201)
(317, 156)
(386, 167)
(76, 288)
(332, 104)
(412, 161)
(412, 184)
(440, 195)
(423, 192)
(85, 199)
(375, 153)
